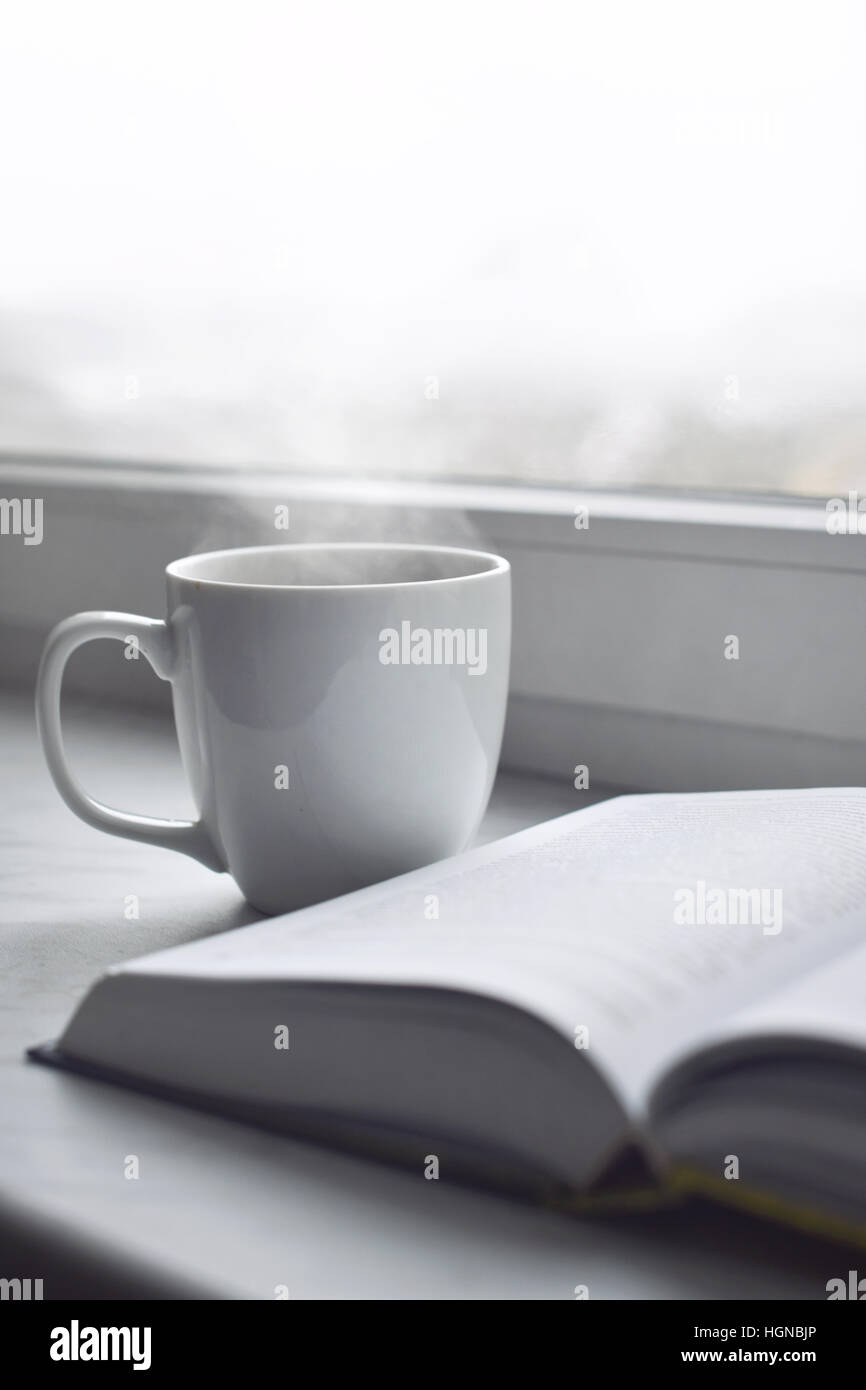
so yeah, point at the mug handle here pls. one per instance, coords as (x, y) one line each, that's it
(155, 640)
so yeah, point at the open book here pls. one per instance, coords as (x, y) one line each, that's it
(656, 993)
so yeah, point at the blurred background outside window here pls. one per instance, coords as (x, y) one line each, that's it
(618, 244)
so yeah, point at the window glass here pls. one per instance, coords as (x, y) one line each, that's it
(617, 243)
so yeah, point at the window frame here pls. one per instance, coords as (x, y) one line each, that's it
(620, 625)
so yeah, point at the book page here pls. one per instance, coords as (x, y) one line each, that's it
(828, 1003)
(631, 927)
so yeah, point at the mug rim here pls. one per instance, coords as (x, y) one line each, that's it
(498, 565)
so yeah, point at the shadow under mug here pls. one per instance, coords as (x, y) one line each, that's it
(339, 710)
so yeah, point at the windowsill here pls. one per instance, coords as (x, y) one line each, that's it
(208, 1182)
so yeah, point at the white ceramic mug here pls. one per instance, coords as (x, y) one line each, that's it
(339, 710)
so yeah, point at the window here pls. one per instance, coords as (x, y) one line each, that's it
(368, 263)
(608, 244)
